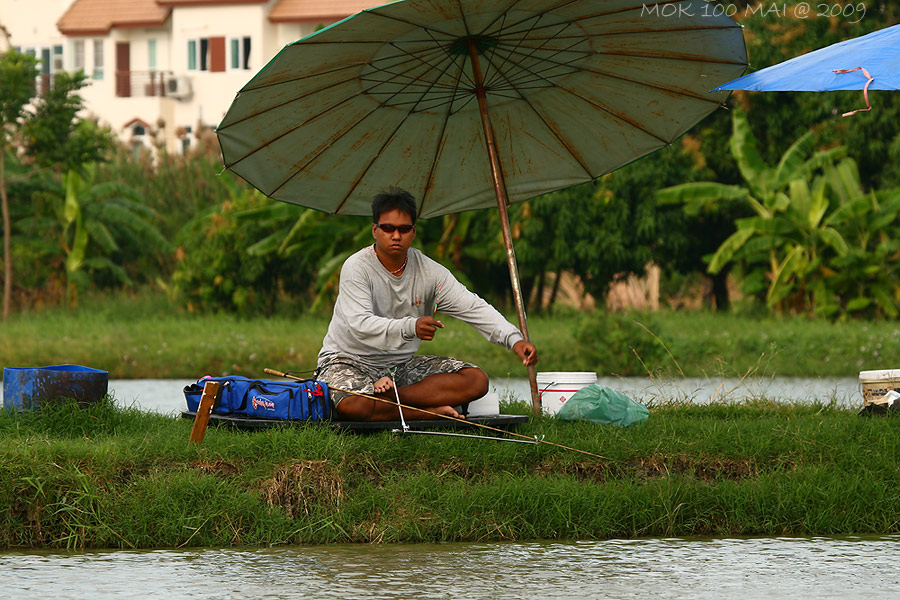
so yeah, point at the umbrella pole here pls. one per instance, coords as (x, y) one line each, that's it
(502, 203)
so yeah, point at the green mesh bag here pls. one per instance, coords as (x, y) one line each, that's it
(604, 406)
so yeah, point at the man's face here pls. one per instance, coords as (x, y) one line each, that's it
(393, 243)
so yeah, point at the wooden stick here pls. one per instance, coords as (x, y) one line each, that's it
(201, 419)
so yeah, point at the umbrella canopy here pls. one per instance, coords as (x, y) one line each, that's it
(576, 89)
(476, 103)
(841, 66)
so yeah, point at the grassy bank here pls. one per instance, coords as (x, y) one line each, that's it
(108, 477)
(144, 337)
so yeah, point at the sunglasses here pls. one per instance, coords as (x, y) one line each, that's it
(388, 228)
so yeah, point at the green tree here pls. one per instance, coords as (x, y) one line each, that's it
(17, 75)
(613, 226)
(53, 135)
(177, 187)
(788, 228)
(242, 257)
(315, 245)
(807, 242)
(45, 127)
(863, 281)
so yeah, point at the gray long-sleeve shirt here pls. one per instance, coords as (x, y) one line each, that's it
(375, 315)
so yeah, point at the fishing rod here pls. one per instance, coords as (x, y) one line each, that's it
(531, 440)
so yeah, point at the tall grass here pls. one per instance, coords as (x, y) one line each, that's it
(111, 477)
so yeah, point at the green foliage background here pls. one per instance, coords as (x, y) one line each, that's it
(233, 251)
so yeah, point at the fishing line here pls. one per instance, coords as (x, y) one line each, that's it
(466, 435)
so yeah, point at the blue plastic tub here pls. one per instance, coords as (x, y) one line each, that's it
(26, 388)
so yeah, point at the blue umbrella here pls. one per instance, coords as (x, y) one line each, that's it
(870, 62)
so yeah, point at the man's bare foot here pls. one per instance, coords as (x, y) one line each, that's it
(383, 385)
(448, 411)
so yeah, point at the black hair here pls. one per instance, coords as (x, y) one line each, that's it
(393, 198)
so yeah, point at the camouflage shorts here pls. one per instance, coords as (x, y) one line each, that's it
(350, 374)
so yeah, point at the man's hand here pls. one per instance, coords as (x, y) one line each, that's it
(426, 326)
(526, 351)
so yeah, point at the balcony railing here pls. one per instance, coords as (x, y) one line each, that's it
(139, 84)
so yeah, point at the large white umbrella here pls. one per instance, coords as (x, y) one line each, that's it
(476, 103)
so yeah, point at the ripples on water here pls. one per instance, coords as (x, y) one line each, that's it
(790, 568)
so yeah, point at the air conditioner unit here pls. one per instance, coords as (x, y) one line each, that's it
(178, 87)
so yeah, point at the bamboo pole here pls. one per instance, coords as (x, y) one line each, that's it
(502, 203)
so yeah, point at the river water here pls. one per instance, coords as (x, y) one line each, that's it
(784, 568)
(699, 569)
(166, 395)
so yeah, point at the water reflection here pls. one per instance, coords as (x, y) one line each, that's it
(666, 568)
(166, 395)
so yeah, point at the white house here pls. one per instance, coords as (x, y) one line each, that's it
(161, 67)
(31, 27)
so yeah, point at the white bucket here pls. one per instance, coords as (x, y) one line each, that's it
(875, 384)
(486, 406)
(556, 387)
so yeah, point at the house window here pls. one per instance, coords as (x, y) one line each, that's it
(198, 54)
(98, 59)
(44, 70)
(192, 55)
(240, 53)
(151, 55)
(78, 55)
(45, 61)
(57, 59)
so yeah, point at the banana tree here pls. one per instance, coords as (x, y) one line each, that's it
(98, 220)
(782, 243)
(865, 279)
(315, 243)
(795, 242)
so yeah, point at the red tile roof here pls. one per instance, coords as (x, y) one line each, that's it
(206, 2)
(297, 11)
(97, 17)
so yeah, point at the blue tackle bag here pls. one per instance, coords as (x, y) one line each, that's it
(288, 400)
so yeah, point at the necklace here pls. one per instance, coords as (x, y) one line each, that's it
(395, 273)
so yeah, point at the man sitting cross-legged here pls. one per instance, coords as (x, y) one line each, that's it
(385, 309)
